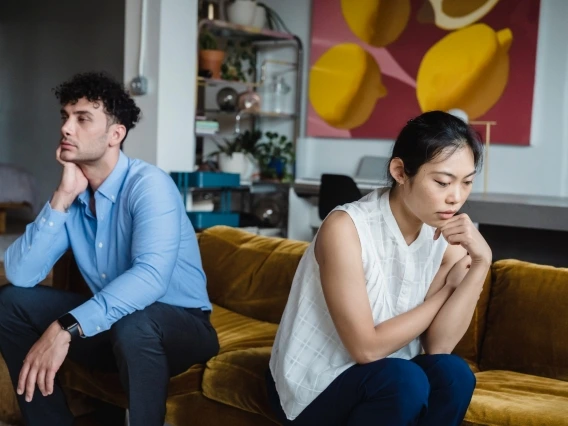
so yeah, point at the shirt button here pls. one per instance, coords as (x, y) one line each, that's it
(103, 276)
(50, 223)
(98, 328)
(112, 197)
(43, 219)
(29, 247)
(100, 245)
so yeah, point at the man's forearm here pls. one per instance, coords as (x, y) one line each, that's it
(28, 260)
(61, 201)
(453, 319)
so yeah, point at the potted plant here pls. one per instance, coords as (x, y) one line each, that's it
(275, 157)
(210, 55)
(238, 155)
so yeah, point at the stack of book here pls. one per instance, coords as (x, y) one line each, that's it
(206, 127)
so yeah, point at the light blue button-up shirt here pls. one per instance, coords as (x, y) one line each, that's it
(139, 248)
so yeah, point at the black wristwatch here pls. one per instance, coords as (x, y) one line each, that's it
(70, 324)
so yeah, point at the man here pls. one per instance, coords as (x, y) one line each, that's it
(126, 224)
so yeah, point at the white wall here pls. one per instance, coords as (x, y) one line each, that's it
(165, 135)
(539, 169)
(41, 45)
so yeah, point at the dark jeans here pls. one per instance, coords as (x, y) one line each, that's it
(146, 348)
(429, 390)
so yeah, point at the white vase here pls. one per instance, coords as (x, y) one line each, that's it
(241, 12)
(239, 163)
(259, 20)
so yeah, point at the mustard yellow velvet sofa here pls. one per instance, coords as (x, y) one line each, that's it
(517, 344)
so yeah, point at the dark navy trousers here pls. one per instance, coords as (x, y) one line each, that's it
(146, 348)
(429, 390)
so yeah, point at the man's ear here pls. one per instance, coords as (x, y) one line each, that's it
(396, 169)
(118, 133)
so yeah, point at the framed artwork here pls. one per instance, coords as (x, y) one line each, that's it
(374, 64)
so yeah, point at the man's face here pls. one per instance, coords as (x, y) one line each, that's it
(85, 132)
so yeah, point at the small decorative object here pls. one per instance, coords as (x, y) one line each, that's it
(227, 99)
(210, 56)
(210, 9)
(241, 12)
(459, 113)
(249, 101)
(278, 90)
(269, 211)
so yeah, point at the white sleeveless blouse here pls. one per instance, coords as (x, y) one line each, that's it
(308, 354)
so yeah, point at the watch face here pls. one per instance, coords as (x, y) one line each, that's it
(67, 321)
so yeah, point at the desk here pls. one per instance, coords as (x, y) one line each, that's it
(526, 227)
(522, 211)
(310, 187)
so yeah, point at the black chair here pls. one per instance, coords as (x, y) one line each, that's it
(334, 191)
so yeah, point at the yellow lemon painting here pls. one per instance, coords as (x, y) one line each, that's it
(468, 69)
(374, 64)
(345, 84)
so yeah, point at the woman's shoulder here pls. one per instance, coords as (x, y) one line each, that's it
(368, 204)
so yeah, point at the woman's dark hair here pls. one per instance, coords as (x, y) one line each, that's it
(101, 87)
(429, 135)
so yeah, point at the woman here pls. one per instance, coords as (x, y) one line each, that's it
(384, 293)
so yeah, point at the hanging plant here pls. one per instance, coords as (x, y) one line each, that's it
(240, 61)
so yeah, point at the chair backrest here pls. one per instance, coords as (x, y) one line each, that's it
(334, 191)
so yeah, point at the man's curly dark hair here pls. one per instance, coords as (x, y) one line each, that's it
(101, 87)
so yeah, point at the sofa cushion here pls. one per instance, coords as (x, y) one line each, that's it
(527, 320)
(509, 398)
(237, 379)
(248, 273)
(235, 331)
(469, 346)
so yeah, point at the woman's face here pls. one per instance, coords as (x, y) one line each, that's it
(440, 187)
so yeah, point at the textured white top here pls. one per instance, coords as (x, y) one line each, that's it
(308, 354)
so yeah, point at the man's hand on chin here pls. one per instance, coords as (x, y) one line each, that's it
(43, 361)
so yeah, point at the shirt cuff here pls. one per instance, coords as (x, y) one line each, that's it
(90, 317)
(49, 220)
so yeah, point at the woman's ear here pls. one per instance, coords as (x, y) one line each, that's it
(396, 169)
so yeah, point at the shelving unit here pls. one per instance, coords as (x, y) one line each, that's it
(262, 41)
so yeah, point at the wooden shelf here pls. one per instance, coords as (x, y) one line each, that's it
(226, 29)
(262, 114)
(214, 82)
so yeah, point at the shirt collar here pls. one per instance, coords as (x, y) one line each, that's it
(112, 184)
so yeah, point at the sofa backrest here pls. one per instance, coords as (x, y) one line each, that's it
(469, 346)
(248, 273)
(527, 320)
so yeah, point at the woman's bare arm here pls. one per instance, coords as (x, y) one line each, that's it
(338, 253)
